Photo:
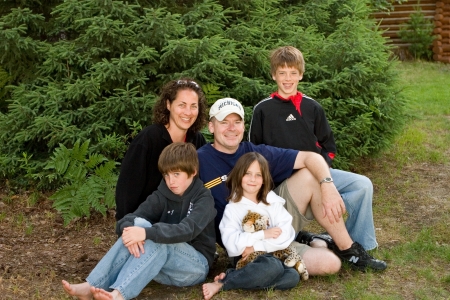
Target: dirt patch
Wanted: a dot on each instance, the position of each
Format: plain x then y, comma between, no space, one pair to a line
37,251
35,246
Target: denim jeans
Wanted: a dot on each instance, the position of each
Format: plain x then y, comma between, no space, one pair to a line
264,272
171,264
357,192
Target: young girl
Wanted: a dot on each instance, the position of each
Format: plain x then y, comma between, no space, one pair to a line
250,189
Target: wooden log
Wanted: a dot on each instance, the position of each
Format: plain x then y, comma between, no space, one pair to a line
411,6
403,13
440,58
438,50
438,17
437,43
437,30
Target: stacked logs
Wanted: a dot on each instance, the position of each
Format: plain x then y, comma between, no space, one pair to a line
441,45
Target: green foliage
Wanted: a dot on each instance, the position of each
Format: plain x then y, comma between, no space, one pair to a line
386,5
418,31
353,78
4,80
96,72
88,181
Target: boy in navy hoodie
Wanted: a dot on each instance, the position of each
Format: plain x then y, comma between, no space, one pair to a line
170,238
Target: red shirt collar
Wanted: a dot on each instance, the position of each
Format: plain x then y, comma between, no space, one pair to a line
295,99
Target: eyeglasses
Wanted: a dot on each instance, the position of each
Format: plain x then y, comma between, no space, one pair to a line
183,82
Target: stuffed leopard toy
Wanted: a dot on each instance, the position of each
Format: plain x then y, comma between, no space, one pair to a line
253,222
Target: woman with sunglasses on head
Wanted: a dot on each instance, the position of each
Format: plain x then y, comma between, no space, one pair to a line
178,116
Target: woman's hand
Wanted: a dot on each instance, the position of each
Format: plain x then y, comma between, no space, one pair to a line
272,233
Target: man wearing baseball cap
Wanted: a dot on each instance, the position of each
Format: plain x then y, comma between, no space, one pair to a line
299,178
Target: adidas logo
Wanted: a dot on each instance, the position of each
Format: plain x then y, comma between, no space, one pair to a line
291,118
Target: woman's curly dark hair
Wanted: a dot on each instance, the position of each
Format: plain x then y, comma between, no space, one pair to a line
169,92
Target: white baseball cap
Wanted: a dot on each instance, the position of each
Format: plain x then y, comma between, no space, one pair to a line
225,106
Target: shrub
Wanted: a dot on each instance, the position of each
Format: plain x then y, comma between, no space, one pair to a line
92,69
418,32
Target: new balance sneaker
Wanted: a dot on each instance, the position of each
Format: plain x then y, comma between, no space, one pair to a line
359,259
305,237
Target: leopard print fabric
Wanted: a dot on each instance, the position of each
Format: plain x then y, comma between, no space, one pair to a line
253,222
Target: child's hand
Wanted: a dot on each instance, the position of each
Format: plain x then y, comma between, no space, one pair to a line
272,233
132,235
247,251
136,249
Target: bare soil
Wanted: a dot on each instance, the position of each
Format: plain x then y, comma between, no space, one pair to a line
37,251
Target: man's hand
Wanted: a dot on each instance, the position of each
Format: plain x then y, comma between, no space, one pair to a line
273,232
247,252
333,205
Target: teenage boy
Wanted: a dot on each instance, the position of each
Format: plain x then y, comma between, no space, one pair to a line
290,119
297,175
170,238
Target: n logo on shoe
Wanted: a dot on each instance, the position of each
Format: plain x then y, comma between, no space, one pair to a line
354,259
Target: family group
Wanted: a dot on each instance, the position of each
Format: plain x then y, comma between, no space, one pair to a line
179,198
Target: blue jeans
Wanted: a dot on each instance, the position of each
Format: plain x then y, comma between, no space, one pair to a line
357,192
264,272
171,264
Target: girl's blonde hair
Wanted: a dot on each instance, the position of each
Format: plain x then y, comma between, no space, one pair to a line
234,180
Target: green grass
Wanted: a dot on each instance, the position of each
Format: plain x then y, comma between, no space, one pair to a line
426,137
409,205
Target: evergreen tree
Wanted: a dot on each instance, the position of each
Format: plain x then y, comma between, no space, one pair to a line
92,69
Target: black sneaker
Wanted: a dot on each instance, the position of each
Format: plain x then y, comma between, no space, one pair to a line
305,237
359,259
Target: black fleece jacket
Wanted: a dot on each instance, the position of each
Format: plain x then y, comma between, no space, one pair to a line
139,175
177,219
276,122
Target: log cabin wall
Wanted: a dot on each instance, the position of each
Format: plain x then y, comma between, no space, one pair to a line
436,11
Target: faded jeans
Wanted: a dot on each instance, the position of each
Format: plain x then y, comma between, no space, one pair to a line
357,192
170,264
265,272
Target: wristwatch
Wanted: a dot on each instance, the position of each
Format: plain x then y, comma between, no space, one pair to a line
326,179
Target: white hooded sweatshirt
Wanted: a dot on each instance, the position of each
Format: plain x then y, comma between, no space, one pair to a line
236,240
